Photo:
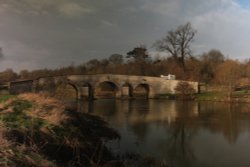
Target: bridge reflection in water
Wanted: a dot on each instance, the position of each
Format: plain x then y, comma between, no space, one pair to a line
180,133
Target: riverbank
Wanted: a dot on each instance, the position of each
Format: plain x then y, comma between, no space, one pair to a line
36,130
213,96
223,96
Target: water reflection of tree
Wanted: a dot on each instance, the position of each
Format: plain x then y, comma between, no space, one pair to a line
222,118
188,119
179,148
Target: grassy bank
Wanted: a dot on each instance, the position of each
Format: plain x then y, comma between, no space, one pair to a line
36,130
223,96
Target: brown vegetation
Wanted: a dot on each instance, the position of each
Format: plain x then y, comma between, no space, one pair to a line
184,90
37,131
46,108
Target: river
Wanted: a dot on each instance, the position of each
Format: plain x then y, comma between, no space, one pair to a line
190,134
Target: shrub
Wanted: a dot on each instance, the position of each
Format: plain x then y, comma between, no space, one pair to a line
184,90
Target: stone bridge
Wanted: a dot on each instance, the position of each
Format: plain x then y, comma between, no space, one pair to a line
101,85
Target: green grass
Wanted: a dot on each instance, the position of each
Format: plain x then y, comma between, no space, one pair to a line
221,95
211,95
19,119
4,98
242,93
22,120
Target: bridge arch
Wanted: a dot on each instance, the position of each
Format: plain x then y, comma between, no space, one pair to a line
106,89
60,88
141,90
66,91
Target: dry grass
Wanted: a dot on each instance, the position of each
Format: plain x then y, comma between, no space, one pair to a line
4,143
46,108
13,153
5,106
35,128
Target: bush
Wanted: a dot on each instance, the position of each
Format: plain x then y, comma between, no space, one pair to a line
184,90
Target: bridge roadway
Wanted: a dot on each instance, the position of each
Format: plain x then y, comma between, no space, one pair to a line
88,86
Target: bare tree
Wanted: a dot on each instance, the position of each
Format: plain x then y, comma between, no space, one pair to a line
8,75
214,56
228,74
177,43
116,59
209,63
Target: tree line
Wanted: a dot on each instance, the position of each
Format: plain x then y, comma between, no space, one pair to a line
209,67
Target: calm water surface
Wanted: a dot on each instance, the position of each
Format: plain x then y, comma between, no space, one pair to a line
186,134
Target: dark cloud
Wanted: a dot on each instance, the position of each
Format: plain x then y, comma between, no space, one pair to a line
1,54
46,33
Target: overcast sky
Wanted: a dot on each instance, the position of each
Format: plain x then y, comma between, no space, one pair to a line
54,33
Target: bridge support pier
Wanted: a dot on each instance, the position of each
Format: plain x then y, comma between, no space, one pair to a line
86,92
118,93
151,94
125,91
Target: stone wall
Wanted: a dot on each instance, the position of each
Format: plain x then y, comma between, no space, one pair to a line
21,87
